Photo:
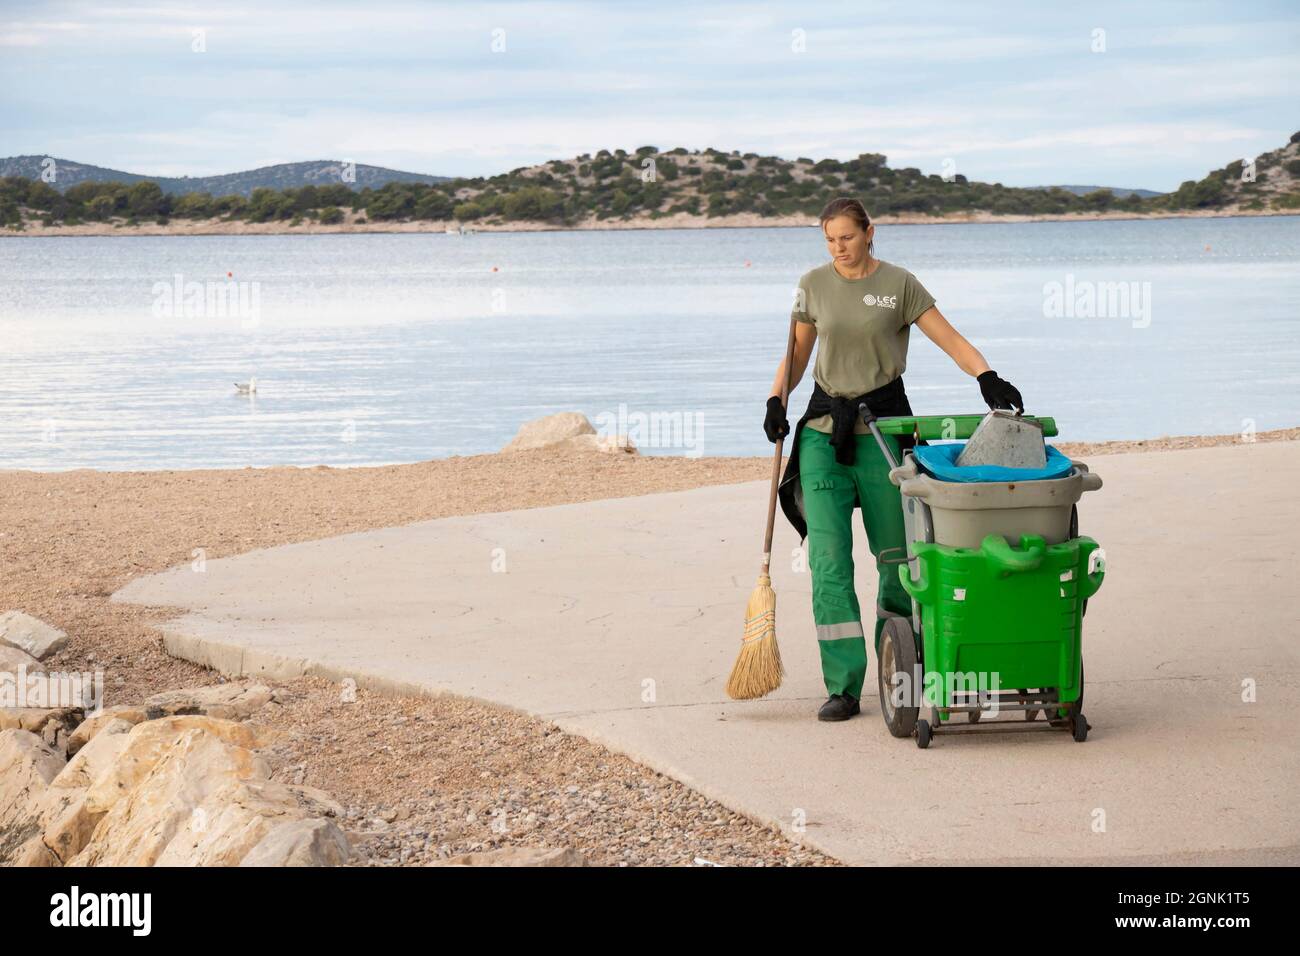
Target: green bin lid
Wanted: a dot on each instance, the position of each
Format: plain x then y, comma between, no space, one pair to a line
949,427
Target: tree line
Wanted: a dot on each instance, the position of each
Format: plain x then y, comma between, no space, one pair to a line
622,185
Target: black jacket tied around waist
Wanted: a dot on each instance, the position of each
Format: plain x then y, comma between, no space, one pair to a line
888,400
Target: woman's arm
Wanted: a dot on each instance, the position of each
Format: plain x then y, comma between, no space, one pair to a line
939,331
997,392
805,334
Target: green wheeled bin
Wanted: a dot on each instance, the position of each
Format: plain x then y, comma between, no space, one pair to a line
997,617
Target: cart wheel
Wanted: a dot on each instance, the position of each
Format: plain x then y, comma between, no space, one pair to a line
973,716
1032,712
897,655
923,734
1079,726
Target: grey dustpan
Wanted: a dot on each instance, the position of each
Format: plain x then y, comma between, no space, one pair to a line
1005,439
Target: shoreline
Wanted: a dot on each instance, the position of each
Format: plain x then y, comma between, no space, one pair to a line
218,227
1073,449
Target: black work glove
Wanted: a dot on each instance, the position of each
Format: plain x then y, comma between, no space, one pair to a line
775,425
1000,393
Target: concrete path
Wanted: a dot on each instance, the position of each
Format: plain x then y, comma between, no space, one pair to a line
620,619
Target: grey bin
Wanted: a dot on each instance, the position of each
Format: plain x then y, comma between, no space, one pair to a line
963,512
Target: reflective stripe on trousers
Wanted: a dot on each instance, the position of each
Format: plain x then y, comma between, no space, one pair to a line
834,632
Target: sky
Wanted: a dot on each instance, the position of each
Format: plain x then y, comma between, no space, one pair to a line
1142,95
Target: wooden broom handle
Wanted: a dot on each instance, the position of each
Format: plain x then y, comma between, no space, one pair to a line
780,445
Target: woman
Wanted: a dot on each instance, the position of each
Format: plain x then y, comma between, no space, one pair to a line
861,308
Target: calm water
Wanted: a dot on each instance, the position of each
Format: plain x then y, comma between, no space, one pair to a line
392,348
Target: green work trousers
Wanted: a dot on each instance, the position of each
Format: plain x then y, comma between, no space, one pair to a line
829,489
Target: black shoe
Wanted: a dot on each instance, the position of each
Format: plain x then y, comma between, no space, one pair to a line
839,707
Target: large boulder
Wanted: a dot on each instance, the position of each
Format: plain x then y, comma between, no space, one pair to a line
55,725
66,826
306,842
96,758
62,823
182,790
30,634
96,722
148,742
232,822
171,801
190,791
567,431
27,767
36,719
13,659
550,430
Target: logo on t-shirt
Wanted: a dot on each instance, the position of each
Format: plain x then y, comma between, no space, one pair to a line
884,301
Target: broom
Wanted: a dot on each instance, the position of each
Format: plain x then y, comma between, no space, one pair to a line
758,669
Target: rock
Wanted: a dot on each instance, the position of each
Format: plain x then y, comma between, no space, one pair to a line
305,842
96,758
171,802
45,721
30,634
550,430
227,701
27,765
92,725
35,853
14,658
518,856
182,790
71,824
66,822
189,791
148,742
226,826
317,803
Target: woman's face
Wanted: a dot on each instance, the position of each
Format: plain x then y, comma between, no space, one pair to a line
846,241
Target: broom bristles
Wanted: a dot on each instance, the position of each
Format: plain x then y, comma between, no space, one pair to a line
758,669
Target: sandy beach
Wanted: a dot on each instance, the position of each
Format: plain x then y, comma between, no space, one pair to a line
355,223
429,769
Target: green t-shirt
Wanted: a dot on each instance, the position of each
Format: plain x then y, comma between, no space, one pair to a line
862,328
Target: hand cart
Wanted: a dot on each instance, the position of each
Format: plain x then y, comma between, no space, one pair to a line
998,597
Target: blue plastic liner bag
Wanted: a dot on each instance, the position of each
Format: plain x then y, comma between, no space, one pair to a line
940,461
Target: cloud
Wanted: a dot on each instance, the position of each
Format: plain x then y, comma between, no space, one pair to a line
417,86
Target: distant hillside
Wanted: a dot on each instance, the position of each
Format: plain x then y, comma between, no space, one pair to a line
646,187
1118,192
323,172
1272,183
